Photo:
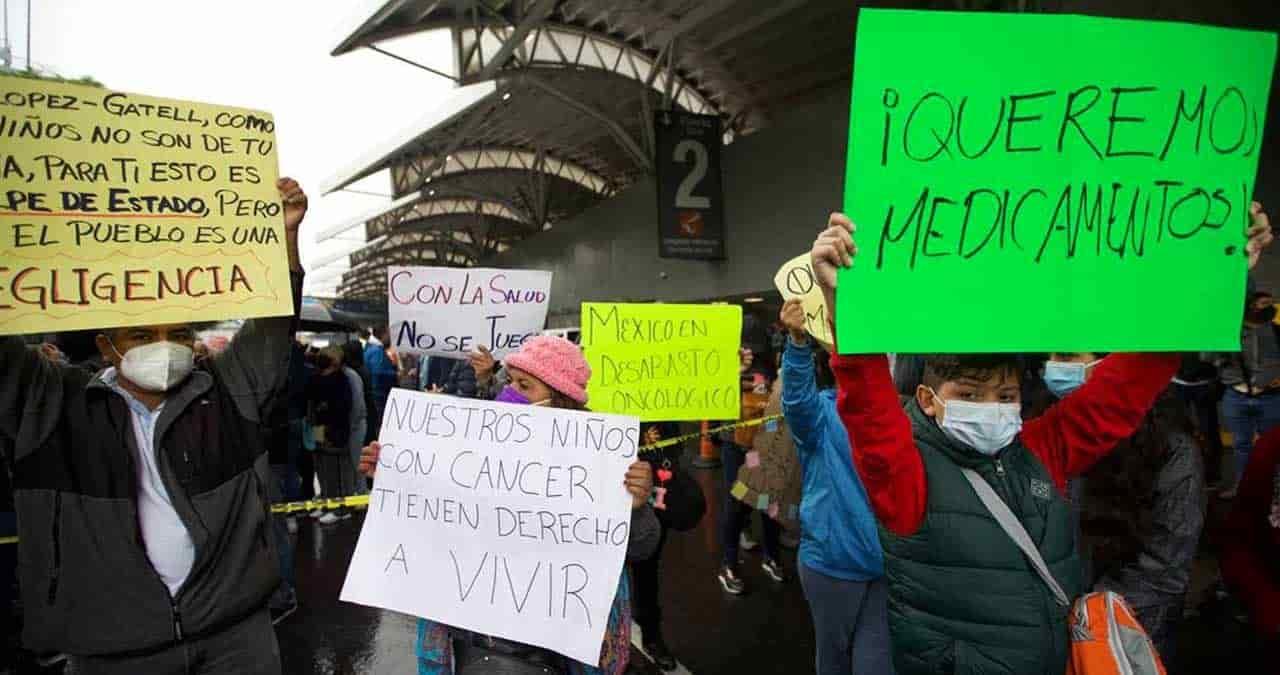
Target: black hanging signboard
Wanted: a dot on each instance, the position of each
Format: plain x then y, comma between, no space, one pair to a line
690,196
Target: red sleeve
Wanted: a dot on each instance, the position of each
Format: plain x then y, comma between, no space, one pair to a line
1086,425
883,448
1248,535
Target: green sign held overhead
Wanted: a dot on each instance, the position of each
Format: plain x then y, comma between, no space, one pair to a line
1025,182
663,362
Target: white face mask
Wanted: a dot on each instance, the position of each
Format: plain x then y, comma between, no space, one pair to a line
157,366
985,427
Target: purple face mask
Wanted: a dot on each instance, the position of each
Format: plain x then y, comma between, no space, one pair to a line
511,395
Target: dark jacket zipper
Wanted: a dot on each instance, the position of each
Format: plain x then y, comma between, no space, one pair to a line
57,547
177,619
265,501
178,634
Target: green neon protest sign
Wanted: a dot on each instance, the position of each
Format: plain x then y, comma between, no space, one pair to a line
1029,182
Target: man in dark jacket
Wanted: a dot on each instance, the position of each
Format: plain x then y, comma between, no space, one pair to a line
461,381
141,494
353,358
1251,402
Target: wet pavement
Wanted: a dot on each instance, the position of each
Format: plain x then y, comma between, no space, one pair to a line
764,632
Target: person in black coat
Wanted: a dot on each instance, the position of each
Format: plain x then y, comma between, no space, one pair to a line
330,398
645,572
461,380
353,358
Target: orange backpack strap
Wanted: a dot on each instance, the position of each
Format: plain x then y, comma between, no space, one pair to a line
1107,639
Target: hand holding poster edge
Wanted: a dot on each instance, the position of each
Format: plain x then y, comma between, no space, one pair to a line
1094,303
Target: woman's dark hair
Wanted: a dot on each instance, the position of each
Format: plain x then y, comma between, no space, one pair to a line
353,355
563,402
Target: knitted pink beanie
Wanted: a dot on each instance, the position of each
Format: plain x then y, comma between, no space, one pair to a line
557,362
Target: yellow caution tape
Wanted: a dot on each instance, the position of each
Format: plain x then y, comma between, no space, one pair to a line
668,442
355,502
362,501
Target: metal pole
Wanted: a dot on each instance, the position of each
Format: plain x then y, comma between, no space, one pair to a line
397,57
6,49
28,34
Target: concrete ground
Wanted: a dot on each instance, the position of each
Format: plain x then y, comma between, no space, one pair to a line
767,631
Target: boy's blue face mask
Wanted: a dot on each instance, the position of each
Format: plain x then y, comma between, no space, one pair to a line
1063,377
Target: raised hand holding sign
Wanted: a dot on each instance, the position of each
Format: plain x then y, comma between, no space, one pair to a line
1260,234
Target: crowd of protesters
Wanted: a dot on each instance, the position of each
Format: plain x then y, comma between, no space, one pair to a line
952,505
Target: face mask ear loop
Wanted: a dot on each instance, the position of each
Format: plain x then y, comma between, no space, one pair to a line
114,349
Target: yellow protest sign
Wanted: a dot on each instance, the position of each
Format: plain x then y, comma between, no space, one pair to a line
663,362
118,209
795,280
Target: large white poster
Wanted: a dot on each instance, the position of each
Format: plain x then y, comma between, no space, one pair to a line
509,520
450,311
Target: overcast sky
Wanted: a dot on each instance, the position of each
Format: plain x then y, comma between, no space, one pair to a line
270,55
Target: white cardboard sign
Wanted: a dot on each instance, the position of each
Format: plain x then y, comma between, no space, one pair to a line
450,311
507,520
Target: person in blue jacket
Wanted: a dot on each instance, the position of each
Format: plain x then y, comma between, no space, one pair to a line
383,372
841,564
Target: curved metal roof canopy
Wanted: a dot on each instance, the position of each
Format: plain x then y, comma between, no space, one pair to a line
555,105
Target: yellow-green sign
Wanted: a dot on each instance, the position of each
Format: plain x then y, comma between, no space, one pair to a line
118,209
663,362
1036,182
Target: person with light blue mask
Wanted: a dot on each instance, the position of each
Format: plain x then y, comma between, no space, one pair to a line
1141,510
1064,372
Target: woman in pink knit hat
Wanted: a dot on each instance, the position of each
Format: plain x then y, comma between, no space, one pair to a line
546,371
549,371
